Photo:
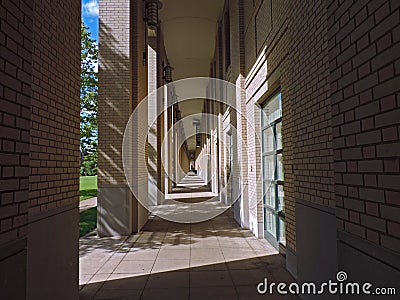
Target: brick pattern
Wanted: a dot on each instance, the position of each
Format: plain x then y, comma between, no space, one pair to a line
15,92
54,134
364,47
274,73
309,93
114,91
287,32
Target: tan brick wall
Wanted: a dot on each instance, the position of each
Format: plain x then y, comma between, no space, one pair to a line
15,105
293,36
308,80
364,47
122,85
54,150
115,99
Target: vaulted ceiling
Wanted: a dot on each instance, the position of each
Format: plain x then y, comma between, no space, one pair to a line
189,28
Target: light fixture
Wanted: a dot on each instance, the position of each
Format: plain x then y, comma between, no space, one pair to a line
196,123
168,73
151,20
178,114
152,7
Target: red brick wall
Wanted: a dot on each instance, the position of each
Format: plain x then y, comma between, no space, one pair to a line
15,92
364,47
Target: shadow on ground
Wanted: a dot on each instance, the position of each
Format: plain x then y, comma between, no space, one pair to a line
230,280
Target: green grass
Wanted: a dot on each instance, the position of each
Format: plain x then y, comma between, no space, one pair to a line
87,187
87,221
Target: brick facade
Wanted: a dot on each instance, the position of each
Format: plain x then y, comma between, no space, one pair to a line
39,194
15,97
123,78
114,75
54,132
364,70
336,67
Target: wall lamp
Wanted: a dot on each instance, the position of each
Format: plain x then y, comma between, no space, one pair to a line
167,76
152,7
150,20
178,114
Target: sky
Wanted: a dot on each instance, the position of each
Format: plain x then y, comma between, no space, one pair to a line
90,15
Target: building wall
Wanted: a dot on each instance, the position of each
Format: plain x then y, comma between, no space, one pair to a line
364,44
123,84
40,149
336,66
286,49
15,111
54,151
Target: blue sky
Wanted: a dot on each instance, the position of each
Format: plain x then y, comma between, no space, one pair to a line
90,15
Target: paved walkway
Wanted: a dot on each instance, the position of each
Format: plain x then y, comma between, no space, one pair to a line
191,183
88,203
215,259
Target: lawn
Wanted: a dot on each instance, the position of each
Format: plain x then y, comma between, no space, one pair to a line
87,221
87,187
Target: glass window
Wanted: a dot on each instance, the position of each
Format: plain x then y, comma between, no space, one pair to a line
269,167
279,135
273,172
269,194
281,202
271,222
273,109
282,236
268,139
279,160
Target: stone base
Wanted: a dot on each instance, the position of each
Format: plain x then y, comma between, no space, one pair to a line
13,270
53,251
316,246
114,211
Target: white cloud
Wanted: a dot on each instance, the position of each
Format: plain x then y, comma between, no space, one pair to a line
91,8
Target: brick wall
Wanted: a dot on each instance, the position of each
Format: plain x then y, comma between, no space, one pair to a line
364,47
309,93
15,105
266,34
115,102
292,36
123,84
54,150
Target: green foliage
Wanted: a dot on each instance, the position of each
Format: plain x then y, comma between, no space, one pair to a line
89,165
87,187
87,221
89,88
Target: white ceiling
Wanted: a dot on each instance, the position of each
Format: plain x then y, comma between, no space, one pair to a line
189,28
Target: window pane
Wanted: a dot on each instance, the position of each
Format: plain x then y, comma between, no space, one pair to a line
269,194
280,167
282,236
281,203
273,109
270,221
268,167
268,139
279,135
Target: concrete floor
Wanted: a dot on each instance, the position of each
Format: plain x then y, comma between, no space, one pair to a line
210,260
88,203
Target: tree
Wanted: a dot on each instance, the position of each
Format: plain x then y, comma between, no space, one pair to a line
89,88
